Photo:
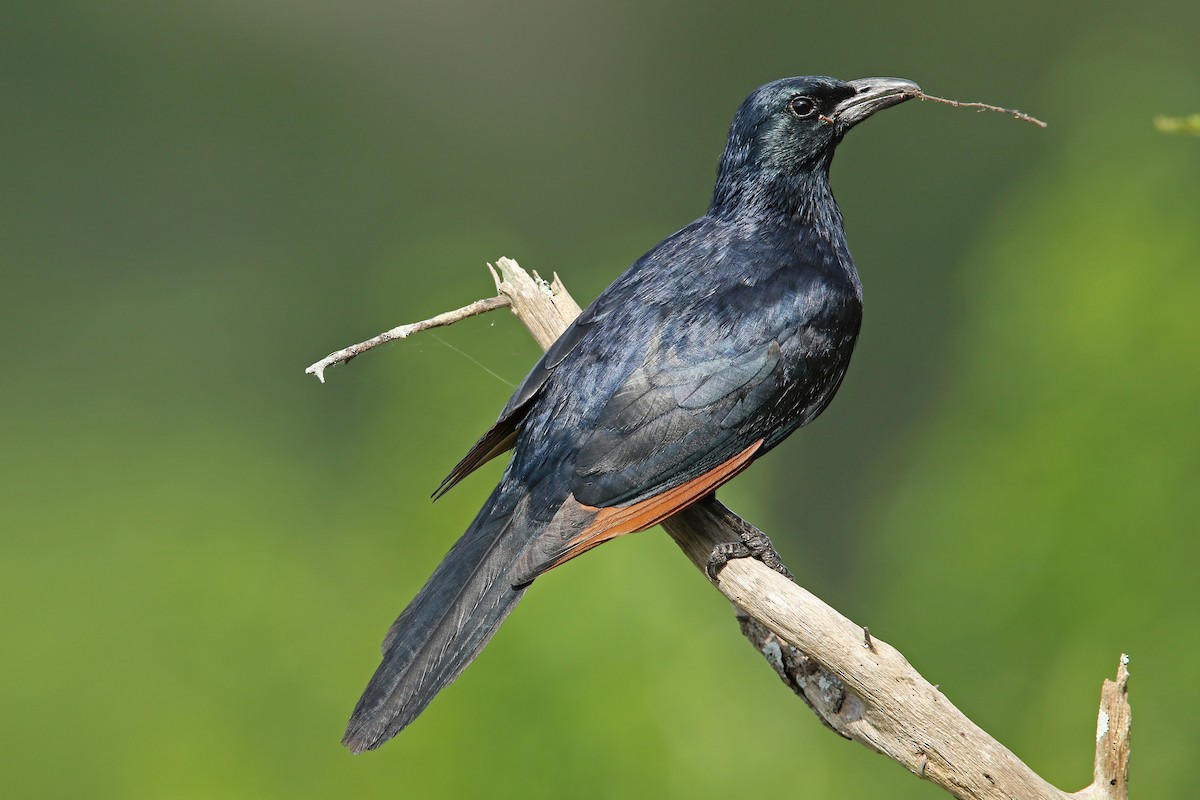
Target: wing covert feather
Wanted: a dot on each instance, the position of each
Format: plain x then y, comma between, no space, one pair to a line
670,421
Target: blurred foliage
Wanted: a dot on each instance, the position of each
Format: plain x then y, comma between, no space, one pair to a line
1189,124
202,546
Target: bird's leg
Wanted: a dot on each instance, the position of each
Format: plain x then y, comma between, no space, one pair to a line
752,543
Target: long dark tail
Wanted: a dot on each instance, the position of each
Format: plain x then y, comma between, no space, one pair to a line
445,626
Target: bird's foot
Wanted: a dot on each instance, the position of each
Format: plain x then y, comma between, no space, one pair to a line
752,543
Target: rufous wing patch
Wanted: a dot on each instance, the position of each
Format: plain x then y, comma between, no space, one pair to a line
614,521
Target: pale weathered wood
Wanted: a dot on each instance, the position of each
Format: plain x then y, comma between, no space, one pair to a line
545,309
1113,726
856,683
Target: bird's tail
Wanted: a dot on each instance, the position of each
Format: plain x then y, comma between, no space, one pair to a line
445,626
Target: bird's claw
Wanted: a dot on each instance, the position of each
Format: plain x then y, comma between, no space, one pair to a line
752,543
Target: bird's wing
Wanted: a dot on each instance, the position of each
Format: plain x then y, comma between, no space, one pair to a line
613,302
503,434
671,420
670,434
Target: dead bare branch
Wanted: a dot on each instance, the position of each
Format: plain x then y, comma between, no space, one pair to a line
856,683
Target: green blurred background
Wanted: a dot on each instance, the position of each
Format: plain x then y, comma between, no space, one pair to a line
203,547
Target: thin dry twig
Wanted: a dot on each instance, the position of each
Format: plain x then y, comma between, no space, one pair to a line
404,331
1012,112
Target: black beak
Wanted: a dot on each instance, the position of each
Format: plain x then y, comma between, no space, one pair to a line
871,95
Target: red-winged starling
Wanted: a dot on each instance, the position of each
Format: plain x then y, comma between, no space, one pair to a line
702,356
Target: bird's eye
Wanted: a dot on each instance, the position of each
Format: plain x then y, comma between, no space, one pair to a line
803,107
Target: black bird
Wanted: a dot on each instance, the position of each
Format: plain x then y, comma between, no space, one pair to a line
702,356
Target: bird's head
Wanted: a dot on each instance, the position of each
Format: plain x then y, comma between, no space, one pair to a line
786,131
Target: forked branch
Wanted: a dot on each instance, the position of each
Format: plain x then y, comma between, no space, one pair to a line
856,683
